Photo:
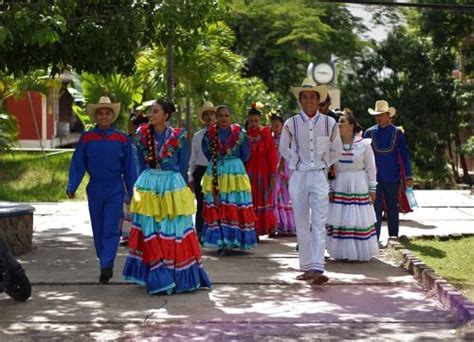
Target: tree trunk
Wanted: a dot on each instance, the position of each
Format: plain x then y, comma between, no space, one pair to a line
188,114
452,161
465,170
169,71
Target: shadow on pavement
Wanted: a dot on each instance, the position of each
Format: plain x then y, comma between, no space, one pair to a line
255,296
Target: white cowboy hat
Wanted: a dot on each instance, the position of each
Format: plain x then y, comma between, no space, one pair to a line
208,105
381,106
309,85
104,102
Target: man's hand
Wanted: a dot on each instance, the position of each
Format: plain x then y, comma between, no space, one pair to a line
331,196
71,195
281,166
409,182
191,185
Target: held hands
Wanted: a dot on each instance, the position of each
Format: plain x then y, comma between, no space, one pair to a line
331,196
281,166
372,196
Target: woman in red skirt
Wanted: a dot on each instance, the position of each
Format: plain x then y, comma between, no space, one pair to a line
261,168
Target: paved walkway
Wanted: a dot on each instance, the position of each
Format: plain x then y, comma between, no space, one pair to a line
255,295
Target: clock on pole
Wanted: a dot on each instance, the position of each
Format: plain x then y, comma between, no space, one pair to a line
323,73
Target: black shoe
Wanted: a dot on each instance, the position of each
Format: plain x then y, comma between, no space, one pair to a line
105,274
222,251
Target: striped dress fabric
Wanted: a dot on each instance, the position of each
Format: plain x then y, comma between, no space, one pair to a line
351,220
229,216
164,252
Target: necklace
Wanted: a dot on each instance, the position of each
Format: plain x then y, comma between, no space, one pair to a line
348,147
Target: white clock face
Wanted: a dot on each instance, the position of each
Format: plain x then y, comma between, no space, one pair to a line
323,73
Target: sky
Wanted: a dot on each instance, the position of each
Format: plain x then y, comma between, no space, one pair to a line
376,32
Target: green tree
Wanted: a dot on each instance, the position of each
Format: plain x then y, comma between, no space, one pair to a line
280,38
209,72
415,76
124,89
451,40
98,36
179,25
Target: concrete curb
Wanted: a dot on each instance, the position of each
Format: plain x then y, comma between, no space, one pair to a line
447,294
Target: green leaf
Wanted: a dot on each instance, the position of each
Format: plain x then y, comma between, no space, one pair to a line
4,34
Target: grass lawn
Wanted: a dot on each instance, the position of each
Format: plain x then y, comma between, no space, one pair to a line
29,177
452,259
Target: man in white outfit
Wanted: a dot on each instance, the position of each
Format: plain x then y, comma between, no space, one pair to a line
310,143
198,161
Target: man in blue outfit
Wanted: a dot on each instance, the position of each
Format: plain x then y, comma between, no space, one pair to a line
391,153
105,154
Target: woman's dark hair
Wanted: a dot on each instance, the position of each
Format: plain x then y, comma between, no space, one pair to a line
347,113
222,107
277,117
327,101
168,107
253,110
138,119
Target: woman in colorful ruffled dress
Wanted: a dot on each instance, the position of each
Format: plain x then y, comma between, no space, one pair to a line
283,211
229,218
164,253
261,168
351,221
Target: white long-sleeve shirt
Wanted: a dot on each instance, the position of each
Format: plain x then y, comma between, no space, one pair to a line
197,155
310,143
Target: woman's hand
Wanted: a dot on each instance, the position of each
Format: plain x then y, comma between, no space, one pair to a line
191,185
372,196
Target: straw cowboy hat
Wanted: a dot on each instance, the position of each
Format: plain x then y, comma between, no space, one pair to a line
104,102
208,105
381,106
309,85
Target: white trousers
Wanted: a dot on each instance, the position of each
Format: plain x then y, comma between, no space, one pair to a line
309,197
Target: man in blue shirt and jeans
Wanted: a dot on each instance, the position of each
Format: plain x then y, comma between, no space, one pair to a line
390,149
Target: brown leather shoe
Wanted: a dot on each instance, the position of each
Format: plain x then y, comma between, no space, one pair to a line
319,279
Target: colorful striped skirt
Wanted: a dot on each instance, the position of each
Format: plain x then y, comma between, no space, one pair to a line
351,219
229,219
164,252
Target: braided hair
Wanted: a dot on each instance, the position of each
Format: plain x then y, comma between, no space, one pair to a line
214,156
168,108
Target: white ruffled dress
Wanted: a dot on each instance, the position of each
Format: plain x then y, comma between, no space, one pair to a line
351,231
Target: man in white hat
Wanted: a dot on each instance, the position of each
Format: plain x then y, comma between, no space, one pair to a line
198,161
310,142
104,153
390,149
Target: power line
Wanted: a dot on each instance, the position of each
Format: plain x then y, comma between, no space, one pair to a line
455,7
